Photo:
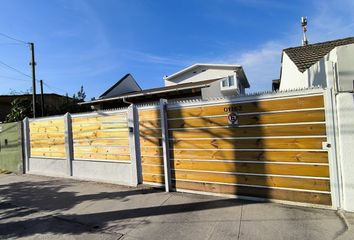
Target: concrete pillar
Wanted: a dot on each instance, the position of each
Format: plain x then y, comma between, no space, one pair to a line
345,114
26,145
165,144
69,144
134,145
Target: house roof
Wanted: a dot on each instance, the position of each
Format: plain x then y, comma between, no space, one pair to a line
200,65
159,90
30,95
117,84
305,56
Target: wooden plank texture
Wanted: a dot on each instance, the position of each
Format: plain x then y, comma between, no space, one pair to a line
117,118
152,169
267,143
152,160
284,156
149,114
258,168
154,178
98,156
271,181
280,194
256,106
264,131
287,117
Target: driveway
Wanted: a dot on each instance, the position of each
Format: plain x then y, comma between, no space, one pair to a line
37,207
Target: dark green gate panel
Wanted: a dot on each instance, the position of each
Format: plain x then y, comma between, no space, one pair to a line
11,147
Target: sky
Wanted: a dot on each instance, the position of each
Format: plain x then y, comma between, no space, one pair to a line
95,42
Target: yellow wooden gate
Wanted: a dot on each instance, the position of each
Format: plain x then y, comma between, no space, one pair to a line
270,148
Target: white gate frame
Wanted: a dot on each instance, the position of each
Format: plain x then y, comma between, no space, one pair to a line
336,182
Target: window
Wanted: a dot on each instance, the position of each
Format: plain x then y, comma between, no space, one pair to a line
228,82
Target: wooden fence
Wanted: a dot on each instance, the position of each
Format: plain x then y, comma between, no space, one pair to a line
273,151
102,137
269,147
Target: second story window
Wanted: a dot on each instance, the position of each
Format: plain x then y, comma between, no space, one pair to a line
228,82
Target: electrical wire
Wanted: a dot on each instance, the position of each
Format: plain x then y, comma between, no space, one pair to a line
15,69
11,78
12,38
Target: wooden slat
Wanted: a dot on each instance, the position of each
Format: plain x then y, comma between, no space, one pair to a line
48,154
55,148
266,143
121,117
150,133
279,194
256,106
152,160
258,168
149,124
100,134
150,141
94,127
49,123
46,142
48,129
264,131
107,142
97,156
152,169
270,181
284,156
34,136
149,114
287,117
153,151
153,178
101,150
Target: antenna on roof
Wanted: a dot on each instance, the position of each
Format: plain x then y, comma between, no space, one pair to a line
304,30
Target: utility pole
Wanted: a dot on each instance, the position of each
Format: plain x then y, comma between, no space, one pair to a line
33,64
42,98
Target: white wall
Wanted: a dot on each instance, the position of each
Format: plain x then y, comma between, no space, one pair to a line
345,111
200,74
319,74
291,77
345,65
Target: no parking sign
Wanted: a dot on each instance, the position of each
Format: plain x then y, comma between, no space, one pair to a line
232,117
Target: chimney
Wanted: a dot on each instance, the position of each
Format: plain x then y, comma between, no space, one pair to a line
304,30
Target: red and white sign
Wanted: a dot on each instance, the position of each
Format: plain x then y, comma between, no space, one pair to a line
232,117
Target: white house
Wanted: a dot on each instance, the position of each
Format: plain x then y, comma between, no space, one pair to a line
329,65
326,64
230,78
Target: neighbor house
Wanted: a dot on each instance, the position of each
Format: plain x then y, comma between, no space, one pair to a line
326,64
199,81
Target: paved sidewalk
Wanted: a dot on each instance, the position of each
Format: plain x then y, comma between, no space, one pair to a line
35,207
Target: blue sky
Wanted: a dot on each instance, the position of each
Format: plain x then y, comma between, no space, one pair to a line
95,42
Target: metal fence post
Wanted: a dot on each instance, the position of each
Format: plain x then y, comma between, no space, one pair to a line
134,146
165,144
26,144
69,145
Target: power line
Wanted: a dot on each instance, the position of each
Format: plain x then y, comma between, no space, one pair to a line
15,69
12,38
11,78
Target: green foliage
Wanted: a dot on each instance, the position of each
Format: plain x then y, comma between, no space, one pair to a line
20,108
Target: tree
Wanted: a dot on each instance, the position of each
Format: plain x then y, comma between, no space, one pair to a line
20,108
81,95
